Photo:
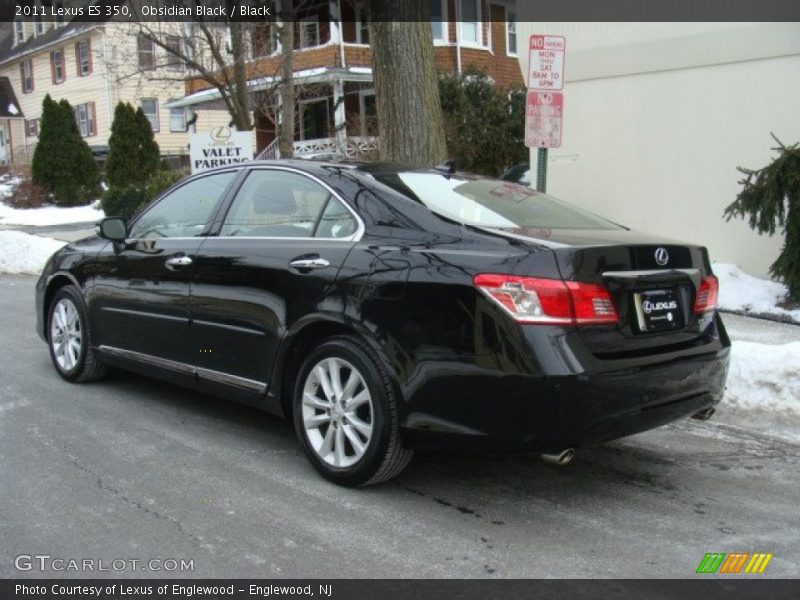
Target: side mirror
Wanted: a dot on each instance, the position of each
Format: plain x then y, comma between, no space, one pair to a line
112,228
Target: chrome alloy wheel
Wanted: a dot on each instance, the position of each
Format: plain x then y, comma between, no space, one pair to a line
337,412
66,337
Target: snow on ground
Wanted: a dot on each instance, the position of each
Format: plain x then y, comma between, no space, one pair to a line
49,215
24,253
764,388
743,293
7,185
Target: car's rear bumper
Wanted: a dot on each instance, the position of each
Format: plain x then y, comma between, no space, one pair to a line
541,413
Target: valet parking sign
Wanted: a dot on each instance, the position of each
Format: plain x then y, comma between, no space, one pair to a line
219,147
545,102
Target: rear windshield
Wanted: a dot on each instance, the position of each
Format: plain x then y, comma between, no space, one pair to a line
491,203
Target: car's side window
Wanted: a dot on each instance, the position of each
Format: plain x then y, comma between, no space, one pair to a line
185,211
274,203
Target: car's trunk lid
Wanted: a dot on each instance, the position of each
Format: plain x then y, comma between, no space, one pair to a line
653,284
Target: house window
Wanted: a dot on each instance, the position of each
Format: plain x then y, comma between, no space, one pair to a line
32,127
309,32
177,120
436,8
263,40
26,72
470,21
58,9
362,26
38,26
19,32
150,109
83,57
57,66
85,118
511,34
147,52
173,49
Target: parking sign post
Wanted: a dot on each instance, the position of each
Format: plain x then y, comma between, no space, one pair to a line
545,101
541,170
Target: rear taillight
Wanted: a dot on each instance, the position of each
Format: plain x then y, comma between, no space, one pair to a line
549,301
707,295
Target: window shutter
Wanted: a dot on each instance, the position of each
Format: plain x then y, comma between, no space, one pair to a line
22,76
89,54
92,119
78,59
53,67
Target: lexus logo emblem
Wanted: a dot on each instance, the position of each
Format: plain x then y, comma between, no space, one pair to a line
662,256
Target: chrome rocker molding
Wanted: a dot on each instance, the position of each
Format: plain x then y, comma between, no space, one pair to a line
199,373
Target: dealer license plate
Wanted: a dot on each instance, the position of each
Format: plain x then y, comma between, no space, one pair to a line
658,310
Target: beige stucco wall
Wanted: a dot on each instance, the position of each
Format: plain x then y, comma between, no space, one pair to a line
658,116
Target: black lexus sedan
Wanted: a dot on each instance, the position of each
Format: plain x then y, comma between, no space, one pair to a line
385,309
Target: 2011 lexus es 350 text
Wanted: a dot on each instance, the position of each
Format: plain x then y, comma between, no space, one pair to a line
385,309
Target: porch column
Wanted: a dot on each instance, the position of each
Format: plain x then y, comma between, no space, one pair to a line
339,114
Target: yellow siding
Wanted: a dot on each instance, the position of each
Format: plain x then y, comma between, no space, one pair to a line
114,78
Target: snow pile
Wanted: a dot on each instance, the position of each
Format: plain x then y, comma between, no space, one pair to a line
743,293
7,185
50,215
24,253
764,388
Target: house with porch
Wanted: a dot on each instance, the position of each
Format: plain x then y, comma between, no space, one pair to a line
332,73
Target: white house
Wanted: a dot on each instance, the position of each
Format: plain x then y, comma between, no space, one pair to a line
657,116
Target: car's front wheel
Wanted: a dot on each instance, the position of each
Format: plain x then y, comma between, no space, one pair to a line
346,415
68,338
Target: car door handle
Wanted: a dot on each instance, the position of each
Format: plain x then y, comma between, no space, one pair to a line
309,263
177,262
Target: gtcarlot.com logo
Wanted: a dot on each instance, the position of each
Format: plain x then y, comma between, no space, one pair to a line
45,562
734,562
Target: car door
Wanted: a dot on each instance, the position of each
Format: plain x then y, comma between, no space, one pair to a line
276,258
139,301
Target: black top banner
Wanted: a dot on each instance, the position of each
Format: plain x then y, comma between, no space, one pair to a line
270,10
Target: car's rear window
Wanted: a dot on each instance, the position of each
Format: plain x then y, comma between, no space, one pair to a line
486,202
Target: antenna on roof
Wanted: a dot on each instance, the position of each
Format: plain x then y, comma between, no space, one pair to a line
448,167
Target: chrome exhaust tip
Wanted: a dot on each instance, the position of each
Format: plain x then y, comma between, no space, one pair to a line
560,459
704,415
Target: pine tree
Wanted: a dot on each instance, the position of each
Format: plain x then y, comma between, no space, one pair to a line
63,162
770,197
133,159
133,154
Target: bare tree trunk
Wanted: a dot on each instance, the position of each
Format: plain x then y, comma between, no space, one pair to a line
242,116
410,122
287,108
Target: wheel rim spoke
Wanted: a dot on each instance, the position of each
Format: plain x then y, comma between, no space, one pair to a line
339,449
325,383
358,446
312,401
334,369
338,427
327,443
316,420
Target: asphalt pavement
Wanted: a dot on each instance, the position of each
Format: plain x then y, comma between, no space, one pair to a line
130,468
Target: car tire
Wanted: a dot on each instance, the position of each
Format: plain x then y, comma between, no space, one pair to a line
69,340
349,428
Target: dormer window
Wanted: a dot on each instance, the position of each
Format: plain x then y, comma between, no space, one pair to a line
19,32
38,26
